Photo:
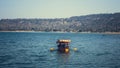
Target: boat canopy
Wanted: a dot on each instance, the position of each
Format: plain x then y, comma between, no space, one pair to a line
63,41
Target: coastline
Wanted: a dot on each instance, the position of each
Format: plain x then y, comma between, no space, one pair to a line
111,32
67,32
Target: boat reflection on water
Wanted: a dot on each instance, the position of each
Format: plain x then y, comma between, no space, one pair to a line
62,58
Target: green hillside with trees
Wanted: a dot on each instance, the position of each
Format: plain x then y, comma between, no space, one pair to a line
87,23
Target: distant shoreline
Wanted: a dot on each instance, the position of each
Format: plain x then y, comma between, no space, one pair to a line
67,32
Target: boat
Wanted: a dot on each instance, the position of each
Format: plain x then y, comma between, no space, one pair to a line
63,45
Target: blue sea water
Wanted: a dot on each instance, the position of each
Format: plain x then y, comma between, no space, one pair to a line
32,50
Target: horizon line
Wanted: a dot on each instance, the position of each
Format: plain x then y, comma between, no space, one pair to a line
57,17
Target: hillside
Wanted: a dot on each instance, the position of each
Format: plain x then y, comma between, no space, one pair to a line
87,23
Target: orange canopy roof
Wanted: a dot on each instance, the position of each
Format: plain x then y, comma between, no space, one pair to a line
64,41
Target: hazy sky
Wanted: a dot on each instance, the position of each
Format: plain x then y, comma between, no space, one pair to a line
55,8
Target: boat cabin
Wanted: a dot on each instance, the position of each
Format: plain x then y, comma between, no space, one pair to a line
63,45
